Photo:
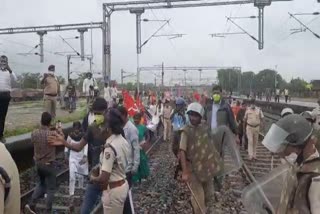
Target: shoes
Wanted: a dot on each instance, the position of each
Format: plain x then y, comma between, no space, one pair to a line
29,210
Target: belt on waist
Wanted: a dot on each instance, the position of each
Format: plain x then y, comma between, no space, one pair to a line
253,125
51,95
115,184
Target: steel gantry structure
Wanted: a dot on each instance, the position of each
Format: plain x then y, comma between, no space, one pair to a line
185,69
42,30
139,7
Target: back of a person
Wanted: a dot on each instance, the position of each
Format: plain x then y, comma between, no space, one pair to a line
43,152
141,131
51,86
95,143
12,203
123,150
177,122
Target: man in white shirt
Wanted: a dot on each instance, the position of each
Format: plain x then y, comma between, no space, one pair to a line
88,86
114,93
107,93
6,75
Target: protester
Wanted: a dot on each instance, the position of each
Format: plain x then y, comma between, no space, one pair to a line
72,96
132,137
88,86
95,139
114,91
241,132
159,114
107,92
144,141
286,95
221,112
178,120
78,163
51,91
46,165
236,108
6,76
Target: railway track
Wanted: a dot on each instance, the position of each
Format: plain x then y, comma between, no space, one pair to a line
161,193
61,199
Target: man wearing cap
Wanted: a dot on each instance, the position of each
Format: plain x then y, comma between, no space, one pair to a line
51,91
6,75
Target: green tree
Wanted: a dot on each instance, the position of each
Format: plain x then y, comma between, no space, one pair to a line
29,80
269,79
247,82
297,86
229,79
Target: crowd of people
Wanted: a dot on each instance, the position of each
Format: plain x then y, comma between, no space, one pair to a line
108,149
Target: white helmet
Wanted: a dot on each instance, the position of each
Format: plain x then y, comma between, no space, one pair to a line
286,111
196,107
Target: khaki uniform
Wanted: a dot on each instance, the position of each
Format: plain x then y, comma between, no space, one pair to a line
167,123
203,162
253,119
114,160
301,194
12,203
51,91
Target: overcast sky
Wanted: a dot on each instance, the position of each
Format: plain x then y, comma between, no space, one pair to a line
293,56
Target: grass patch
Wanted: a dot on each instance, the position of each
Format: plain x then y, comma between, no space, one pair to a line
78,115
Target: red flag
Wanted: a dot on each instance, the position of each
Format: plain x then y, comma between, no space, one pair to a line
196,96
140,105
129,104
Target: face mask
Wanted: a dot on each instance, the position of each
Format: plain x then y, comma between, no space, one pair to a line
216,98
292,158
99,119
253,106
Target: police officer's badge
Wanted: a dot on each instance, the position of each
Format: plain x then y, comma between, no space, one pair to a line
107,155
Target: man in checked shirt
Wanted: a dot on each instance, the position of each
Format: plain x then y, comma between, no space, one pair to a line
44,156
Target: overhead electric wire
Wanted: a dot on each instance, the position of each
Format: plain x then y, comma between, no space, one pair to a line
305,26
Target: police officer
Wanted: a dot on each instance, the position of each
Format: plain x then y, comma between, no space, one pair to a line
292,136
9,183
253,121
113,162
200,160
286,111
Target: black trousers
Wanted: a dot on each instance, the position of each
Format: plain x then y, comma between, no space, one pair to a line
47,184
127,205
4,103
